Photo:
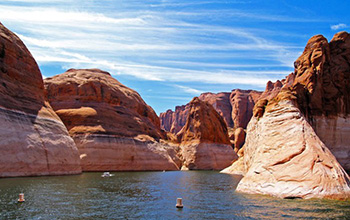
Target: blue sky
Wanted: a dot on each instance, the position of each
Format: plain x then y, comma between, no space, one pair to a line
170,51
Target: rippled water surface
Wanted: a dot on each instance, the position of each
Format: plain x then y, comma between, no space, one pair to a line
152,195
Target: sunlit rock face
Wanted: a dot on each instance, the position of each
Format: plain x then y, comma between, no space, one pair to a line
113,128
173,121
205,144
294,133
284,157
34,141
322,87
236,108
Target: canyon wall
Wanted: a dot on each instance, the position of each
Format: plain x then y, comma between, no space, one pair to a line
34,141
113,128
204,140
295,131
235,108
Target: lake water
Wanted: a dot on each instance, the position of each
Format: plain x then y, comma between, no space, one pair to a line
152,195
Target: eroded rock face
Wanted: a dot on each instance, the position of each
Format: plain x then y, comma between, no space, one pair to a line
322,88
174,121
300,127
204,139
235,108
113,128
239,139
284,157
34,141
242,102
220,102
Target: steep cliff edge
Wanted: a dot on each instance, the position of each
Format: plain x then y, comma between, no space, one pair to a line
293,133
322,88
34,141
113,128
204,139
236,108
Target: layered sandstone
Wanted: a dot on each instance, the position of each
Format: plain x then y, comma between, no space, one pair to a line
205,144
322,87
221,103
300,127
284,157
242,102
238,138
34,141
174,121
235,108
113,128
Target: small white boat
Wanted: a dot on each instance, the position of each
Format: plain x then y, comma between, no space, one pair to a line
107,174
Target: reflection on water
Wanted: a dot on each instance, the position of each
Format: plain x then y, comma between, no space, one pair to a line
152,195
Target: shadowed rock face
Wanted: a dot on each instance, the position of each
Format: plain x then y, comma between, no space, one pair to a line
235,108
238,139
174,121
221,103
300,127
114,129
322,89
204,139
34,140
242,102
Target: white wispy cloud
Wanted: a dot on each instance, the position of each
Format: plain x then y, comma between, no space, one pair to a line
51,16
189,90
338,26
35,1
141,43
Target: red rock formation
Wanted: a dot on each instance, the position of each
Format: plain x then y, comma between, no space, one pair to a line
34,140
235,108
174,121
238,139
220,102
242,102
322,89
204,139
295,128
284,157
114,129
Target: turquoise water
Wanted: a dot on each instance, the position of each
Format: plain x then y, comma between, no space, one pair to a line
152,195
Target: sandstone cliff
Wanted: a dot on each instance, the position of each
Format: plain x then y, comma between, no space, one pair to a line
242,102
113,128
291,138
34,141
204,139
174,121
235,108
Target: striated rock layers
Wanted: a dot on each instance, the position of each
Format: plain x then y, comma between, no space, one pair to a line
235,108
174,121
205,144
291,138
34,141
322,88
242,102
113,128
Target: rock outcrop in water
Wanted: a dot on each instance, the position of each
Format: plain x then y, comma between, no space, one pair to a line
235,108
113,128
34,141
205,144
291,138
